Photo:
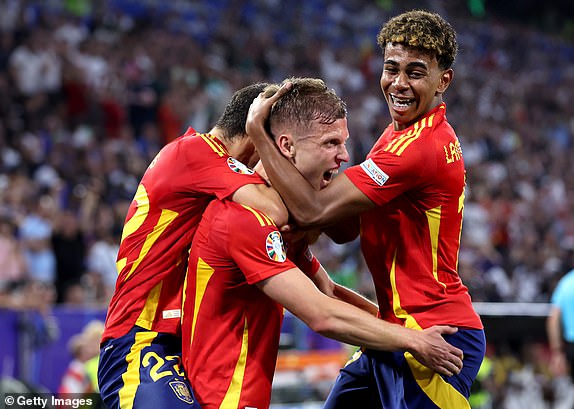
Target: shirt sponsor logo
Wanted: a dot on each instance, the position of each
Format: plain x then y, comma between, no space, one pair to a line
181,391
167,314
374,172
275,248
238,167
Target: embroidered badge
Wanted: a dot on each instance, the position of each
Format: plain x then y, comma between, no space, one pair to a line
374,172
275,248
181,391
238,167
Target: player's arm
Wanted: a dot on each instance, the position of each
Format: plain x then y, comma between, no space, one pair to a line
309,207
347,323
344,231
327,286
554,330
554,333
264,198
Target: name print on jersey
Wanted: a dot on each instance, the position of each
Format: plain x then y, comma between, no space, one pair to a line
453,152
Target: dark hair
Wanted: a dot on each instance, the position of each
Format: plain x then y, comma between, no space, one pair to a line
423,30
309,100
232,121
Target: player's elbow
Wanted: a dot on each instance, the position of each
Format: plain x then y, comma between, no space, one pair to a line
327,326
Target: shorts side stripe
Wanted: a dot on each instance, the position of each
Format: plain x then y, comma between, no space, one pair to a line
442,393
131,377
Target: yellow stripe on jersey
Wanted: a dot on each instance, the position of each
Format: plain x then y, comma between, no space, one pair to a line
413,138
203,275
136,221
442,393
231,399
399,145
131,377
392,146
263,219
217,148
141,213
410,321
147,316
167,216
433,219
461,199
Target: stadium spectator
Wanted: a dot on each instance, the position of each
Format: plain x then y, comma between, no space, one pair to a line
83,347
11,257
35,232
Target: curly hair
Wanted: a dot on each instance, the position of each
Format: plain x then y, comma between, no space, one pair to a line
308,101
423,30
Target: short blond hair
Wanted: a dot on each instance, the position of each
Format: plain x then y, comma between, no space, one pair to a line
308,101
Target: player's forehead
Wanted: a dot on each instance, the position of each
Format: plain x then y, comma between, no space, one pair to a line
320,132
398,53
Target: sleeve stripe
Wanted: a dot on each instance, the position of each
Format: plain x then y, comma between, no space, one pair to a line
214,145
263,219
399,145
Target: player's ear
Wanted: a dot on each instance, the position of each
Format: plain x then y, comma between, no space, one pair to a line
445,80
286,146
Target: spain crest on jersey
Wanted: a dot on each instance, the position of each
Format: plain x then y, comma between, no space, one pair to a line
238,167
181,391
275,248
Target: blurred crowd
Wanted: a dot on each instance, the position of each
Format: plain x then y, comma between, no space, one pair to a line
90,91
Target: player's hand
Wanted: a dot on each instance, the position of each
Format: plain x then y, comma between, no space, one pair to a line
261,108
434,352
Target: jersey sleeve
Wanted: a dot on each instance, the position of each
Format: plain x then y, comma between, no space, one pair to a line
256,245
384,176
214,172
301,255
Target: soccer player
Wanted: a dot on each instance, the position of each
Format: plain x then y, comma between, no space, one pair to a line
240,277
409,193
140,360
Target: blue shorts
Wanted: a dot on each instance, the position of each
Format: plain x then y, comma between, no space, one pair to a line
395,380
142,369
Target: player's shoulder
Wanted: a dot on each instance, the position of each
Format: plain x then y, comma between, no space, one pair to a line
238,214
419,138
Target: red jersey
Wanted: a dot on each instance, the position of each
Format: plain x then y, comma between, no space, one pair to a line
230,330
411,240
161,221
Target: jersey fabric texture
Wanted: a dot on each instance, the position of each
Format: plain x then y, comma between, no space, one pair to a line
142,369
160,224
230,328
411,239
